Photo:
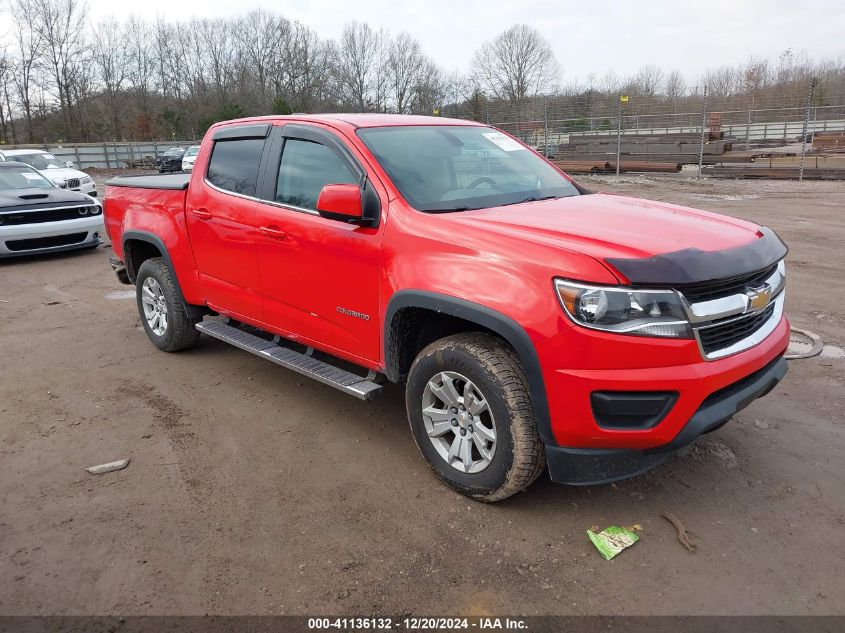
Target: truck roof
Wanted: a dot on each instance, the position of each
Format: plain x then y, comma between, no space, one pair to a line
359,119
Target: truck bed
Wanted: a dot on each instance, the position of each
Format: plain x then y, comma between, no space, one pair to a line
151,181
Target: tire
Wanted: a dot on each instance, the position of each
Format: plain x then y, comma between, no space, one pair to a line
178,331
493,369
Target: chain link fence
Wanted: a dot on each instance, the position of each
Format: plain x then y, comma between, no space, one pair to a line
785,135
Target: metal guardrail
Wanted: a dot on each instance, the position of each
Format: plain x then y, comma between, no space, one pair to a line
104,155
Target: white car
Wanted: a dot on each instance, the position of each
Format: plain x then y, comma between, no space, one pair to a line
59,173
190,157
38,217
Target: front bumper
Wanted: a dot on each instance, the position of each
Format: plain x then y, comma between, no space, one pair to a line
50,237
578,466
702,397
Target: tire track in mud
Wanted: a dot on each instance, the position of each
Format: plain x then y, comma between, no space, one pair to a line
201,538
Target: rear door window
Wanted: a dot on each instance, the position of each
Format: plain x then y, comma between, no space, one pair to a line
234,165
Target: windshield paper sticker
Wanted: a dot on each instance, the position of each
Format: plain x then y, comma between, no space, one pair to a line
503,141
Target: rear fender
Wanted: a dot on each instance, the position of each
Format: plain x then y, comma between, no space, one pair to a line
156,217
129,237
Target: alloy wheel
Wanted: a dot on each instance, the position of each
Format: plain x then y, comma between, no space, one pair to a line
459,422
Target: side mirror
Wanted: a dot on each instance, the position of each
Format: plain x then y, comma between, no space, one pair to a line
343,201
69,163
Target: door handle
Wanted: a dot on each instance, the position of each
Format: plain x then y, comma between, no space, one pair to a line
202,214
273,232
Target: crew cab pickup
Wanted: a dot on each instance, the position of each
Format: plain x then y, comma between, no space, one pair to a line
535,324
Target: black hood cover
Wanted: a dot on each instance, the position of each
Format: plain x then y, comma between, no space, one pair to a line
692,266
33,198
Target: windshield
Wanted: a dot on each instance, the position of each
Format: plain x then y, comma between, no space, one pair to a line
440,168
192,151
21,177
39,161
173,151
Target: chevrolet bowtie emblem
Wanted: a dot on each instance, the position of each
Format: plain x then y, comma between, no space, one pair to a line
758,298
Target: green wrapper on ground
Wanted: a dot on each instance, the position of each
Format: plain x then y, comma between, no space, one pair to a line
612,540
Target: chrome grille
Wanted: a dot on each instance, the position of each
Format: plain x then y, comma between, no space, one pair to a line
733,315
72,183
722,335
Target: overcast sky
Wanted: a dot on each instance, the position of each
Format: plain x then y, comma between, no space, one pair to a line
587,37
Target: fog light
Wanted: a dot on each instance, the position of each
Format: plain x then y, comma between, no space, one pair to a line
631,409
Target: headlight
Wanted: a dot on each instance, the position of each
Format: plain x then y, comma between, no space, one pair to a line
625,310
85,180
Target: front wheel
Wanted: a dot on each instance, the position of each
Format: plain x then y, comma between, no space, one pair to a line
471,416
162,309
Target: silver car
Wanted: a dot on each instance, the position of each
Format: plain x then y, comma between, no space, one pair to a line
190,157
61,174
38,217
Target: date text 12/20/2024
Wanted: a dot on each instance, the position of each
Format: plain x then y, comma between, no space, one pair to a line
416,623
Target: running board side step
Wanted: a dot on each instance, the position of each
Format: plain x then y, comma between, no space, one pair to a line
359,386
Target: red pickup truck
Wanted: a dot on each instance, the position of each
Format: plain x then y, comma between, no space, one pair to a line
535,324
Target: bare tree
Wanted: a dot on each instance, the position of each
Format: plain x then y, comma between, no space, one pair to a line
28,41
60,25
405,62
260,36
430,88
307,66
674,87
517,64
112,64
141,73
356,61
647,81
722,81
215,41
6,70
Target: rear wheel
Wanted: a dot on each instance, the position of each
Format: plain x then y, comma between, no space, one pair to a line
471,416
162,309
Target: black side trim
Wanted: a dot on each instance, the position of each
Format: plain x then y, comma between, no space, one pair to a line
232,132
497,322
193,311
693,266
175,182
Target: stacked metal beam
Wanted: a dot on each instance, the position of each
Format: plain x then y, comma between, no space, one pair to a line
609,167
662,148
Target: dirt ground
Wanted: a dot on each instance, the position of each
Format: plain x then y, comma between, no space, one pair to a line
252,490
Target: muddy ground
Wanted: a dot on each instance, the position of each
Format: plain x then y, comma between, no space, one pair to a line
254,491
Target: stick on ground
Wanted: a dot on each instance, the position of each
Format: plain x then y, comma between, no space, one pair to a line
683,535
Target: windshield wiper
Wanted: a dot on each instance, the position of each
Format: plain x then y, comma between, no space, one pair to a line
449,210
528,199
